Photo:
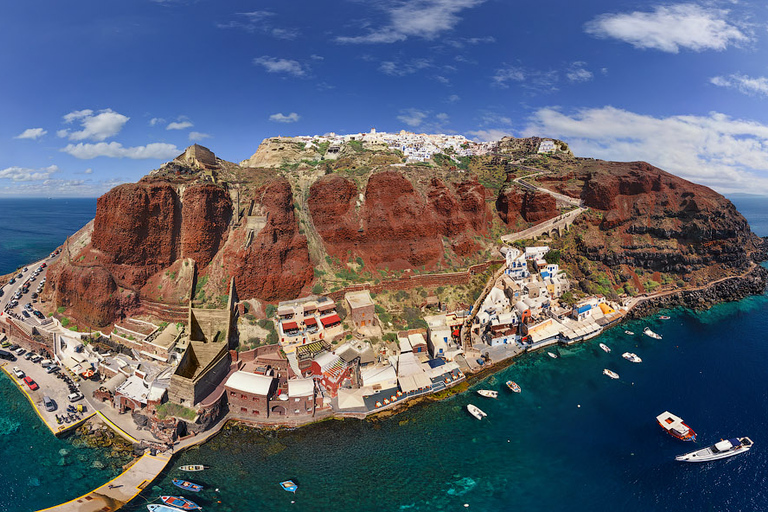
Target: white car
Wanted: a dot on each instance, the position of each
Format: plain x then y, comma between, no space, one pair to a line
74,397
18,373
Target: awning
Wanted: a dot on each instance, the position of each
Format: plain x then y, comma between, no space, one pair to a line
310,321
331,320
289,326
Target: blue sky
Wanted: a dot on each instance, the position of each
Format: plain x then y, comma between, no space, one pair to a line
97,93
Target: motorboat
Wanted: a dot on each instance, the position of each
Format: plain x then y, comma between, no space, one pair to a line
675,426
180,502
187,486
163,508
720,450
193,467
488,393
553,356
664,317
648,332
476,412
610,373
605,348
632,357
630,333
289,486
512,385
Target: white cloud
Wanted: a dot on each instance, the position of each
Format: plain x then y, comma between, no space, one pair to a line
412,117
404,68
156,120
578,73
198,136
260,22
282,118
669,28
103,125
157,150
743,83
425,121
489,135
31,133
419,18
542,81
59,188
275,65
88,171
179,125
22,174
493,118
453,98
730,155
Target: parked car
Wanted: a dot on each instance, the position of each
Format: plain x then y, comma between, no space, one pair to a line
38,314
7,355
74,397
20,351
18,373
31,383
25,313
14,346
50,406
46,363
36,358
29,355
52,368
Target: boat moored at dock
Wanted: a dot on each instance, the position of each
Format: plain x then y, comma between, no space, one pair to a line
552,355
476,412
488,393
162,508
187,486
631,357
610,373
630,333
193,467
675,426
180,502
648,332
720,450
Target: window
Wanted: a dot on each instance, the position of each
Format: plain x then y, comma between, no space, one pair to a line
232,393
243,409
255,399
297,399
255,413
244,397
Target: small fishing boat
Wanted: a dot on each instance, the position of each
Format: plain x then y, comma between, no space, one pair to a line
476,412
513,386
162,508
721,450
631,357
610,374
663,317
289,486
630,333
553,356
605,348
675,426
648,332
193,467
187,486
180,502
488,393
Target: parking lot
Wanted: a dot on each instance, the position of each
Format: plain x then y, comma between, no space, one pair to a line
50,385
26,289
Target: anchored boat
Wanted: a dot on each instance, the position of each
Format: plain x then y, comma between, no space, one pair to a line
629,333
675,426
610,374
180,502
476,412
553,356
631,357
187,486
605,348
513,386
648,332
162,508
289,486
725,448
488,393
193,467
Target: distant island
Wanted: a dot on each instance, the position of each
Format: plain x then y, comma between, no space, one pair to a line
345,275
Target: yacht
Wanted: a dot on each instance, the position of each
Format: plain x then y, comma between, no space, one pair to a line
675,426
724,448
631,357
605,348
476,412
648,332
610,374
487,393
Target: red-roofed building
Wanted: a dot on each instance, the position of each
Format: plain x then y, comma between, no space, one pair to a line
330,371
300,322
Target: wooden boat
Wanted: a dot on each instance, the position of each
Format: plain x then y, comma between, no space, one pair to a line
163,508
180,502
476,412
187,486
648,332
193,467
605,348
553,356
675,426
631,357
513,386
610,374
488,393
289,486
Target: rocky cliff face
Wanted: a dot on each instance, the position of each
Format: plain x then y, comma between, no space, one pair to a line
514,203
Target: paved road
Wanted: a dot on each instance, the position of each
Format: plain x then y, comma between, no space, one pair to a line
11,288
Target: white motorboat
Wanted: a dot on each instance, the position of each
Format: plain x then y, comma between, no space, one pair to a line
553,356
488,393
629,333
476,412
631,357
675,426
719,450
605,348
648,332
610,374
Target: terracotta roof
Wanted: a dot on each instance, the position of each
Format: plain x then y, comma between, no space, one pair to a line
287,326
310,321
330,320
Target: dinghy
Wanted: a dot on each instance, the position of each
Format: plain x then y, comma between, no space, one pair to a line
488,393
513,386
289,486
605,348
193,467
610,374
187,486
476,412
180,502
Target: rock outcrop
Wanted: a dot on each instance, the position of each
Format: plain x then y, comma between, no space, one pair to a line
514,203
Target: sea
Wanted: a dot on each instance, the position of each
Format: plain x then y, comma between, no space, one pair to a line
572,440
